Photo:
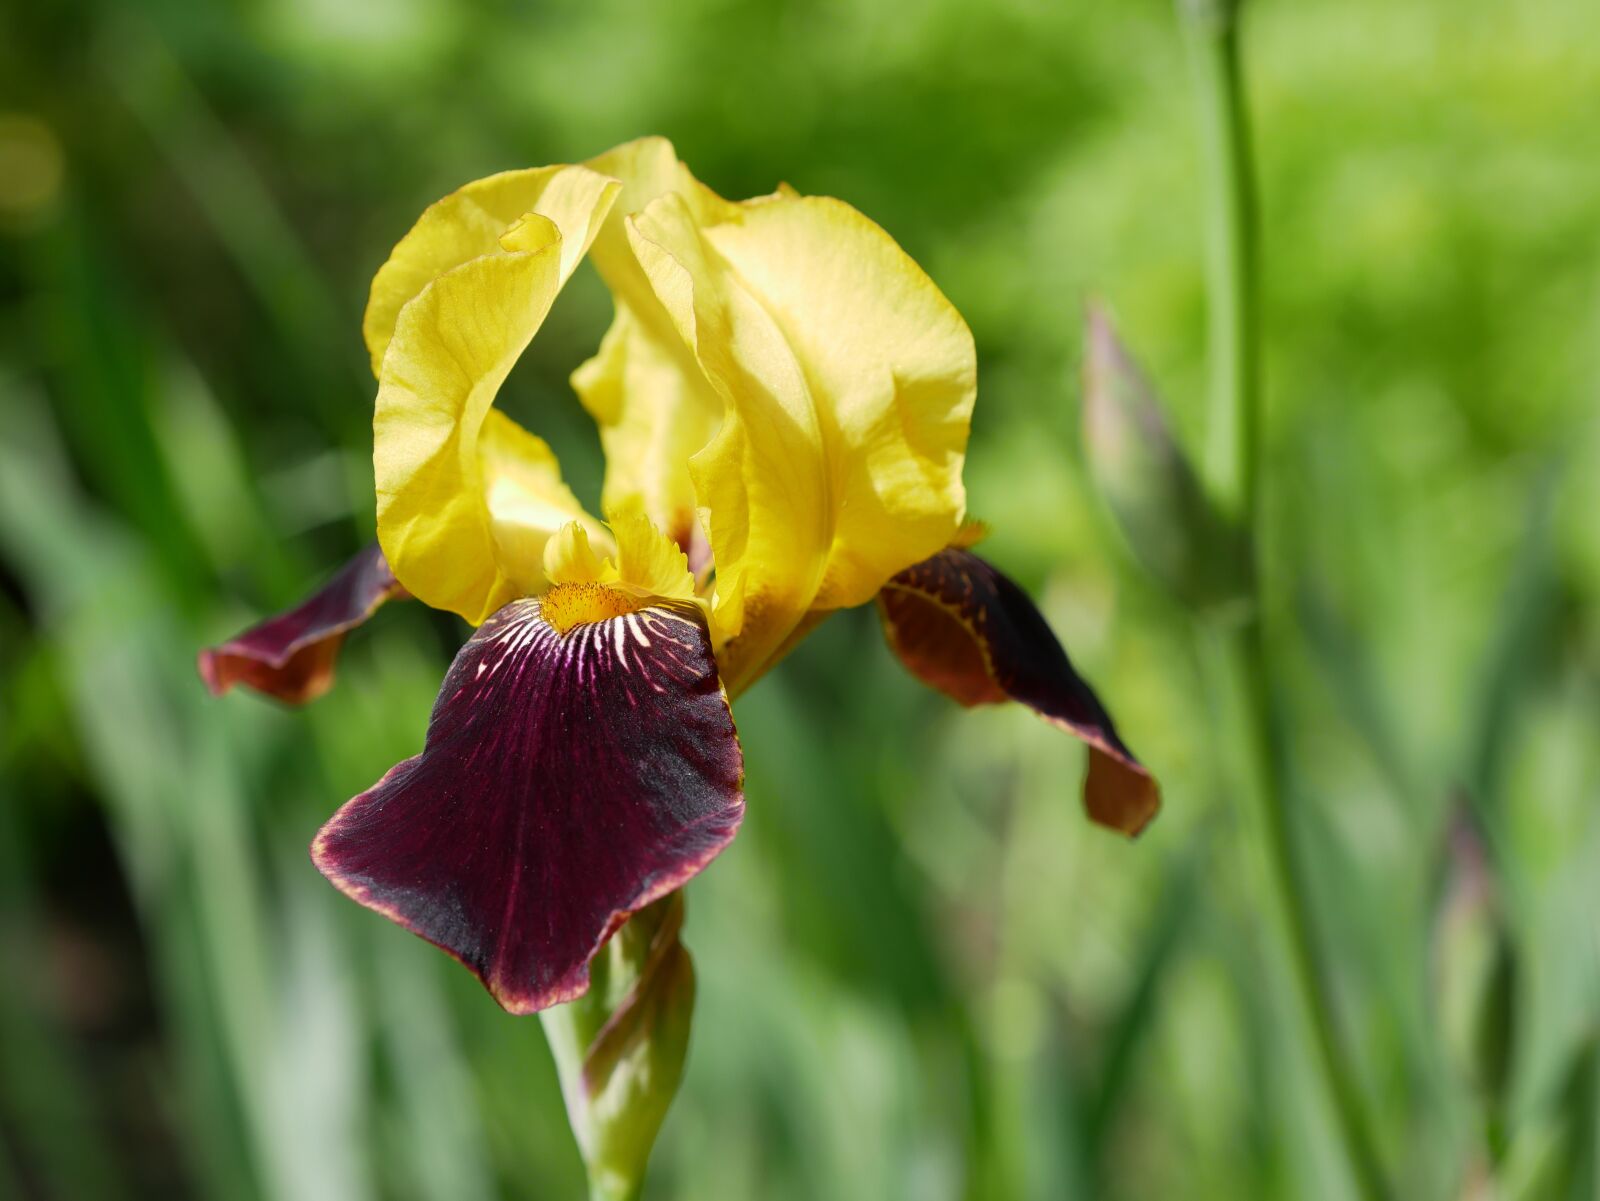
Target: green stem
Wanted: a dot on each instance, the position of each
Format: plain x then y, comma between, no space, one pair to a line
1233,466
1244,648
604,1190
1231,296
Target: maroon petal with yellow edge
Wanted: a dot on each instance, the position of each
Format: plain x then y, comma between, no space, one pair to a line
291,656
570,777
964,628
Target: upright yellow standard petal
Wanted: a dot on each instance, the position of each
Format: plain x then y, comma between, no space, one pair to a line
764,477
466,502
471,221
847,383
654,410
644,389
892,371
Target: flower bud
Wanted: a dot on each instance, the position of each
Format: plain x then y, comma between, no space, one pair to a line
620,1047
1146,480
1474,967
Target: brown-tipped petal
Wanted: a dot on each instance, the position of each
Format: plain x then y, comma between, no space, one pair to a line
964,628
291,656
570,777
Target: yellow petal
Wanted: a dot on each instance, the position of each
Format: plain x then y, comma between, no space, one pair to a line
526,499
644,169
467,502
649,561
452,348
473,221
847,382
892,370
647,567
764,478
569,559
655,410
645,560
644,389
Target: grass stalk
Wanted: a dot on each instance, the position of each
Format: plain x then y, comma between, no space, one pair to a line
1233,464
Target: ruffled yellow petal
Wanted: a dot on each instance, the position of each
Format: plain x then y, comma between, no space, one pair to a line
644,169
466,503
763,477
891,368
649,561
472,221
653,404
654,410
847,383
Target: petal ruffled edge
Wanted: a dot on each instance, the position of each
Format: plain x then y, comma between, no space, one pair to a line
473,221
452,348
291,656
847,381
567,781
483,280
964,628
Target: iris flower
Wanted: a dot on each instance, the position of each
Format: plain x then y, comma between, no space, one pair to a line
783,399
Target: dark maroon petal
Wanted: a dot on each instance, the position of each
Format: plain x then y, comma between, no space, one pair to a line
291,656
567,781
962,627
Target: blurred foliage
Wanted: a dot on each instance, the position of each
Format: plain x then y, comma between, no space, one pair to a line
921,973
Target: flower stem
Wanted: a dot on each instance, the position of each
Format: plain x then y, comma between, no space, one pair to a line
1231,296
615,1190
1249,681
1233,468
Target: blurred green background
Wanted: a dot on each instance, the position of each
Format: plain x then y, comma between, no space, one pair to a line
922,974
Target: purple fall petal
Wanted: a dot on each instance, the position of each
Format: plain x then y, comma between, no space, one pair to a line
567,781
962,627
291,656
